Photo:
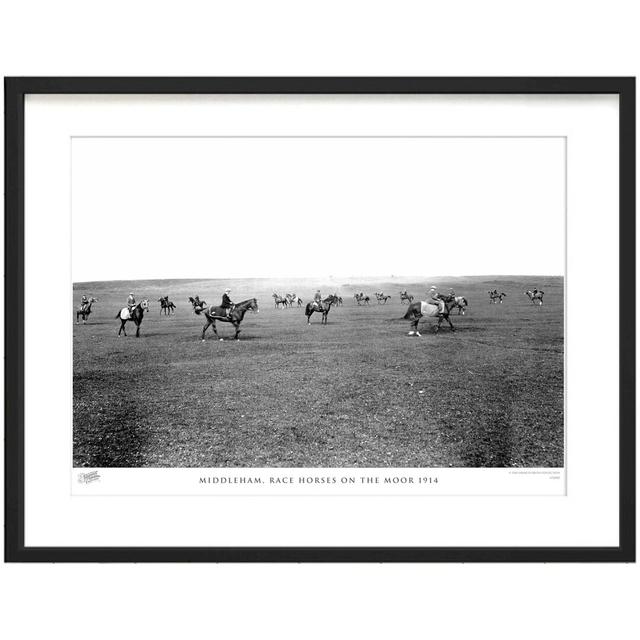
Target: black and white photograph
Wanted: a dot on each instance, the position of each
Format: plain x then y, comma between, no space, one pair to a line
318,302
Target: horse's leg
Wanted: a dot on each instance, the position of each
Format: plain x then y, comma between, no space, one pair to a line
450,323
206,326
213,327
138,328
414,327
236,326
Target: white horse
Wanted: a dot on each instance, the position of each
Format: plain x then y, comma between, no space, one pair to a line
535,296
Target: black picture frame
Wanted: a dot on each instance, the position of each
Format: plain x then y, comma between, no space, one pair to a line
15,91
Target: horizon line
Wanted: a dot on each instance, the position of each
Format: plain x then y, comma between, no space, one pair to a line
334,277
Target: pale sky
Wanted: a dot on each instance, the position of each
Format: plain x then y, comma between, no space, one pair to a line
306,207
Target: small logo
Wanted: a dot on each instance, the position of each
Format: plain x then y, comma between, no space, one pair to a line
90,476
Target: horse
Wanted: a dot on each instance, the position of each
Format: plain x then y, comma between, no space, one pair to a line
339,301
460,303
381,298
405,296
85,310
361,298
279,300
166,306
418,310
535,296
495,297
293,299
135,315
196,302
324,308
219,313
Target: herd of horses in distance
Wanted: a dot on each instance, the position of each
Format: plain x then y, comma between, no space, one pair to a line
415,311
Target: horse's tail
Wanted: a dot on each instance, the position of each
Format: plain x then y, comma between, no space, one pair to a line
118,314
465,300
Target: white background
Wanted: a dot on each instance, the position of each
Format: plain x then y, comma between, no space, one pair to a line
367,38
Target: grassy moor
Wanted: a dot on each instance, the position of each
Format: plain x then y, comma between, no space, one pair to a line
358,392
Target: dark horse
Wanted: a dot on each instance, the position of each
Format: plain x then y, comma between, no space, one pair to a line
85,310
324,308
196,302
136,316
166,306
219,313
418,310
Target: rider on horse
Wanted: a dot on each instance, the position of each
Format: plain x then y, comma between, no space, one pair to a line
84,302
226,302
433,297
317,299
131,302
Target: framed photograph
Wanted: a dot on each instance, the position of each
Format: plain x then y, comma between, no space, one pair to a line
320,319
